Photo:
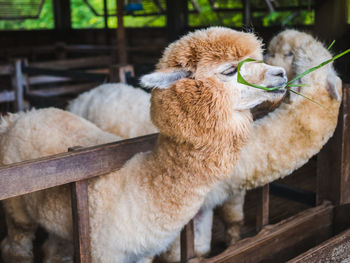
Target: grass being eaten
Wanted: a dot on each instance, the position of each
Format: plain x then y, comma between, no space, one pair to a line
290,83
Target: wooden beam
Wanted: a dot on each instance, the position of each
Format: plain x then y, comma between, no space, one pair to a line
6,69
177,18
123,58
119,73
81,226
80,216
246,13
282,241
7,96
99,61
331,19
333,162
187,242
62,18
18,81
262,209
336,249
63,90
34,175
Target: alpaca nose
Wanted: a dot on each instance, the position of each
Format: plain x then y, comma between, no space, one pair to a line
276,76
277,72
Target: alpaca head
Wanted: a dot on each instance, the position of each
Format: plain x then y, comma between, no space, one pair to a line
196,82
298,51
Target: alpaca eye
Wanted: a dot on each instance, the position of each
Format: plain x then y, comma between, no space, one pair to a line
289,54
229,72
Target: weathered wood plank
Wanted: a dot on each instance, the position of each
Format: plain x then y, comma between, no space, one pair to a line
35,80
80,217
7,96
336,249
122,52
81,226
6,69
345,160
333,162
117,73
282,241
29,176
262,209
18,81
187,242
100,61
58,91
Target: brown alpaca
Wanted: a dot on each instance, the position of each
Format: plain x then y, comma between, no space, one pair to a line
203,117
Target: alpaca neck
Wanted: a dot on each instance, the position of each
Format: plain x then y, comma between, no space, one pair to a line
285,139
186,173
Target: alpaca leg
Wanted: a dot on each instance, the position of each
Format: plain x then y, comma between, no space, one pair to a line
232,215
146,260
18,244
202,237
57,250
202,232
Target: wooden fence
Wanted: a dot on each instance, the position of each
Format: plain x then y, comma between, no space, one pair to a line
280,242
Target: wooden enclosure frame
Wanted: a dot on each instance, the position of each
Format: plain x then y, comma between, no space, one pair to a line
89,72
13,95
307,229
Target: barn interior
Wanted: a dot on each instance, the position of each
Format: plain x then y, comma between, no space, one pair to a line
53,50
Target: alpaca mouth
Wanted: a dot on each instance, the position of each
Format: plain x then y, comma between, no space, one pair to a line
279,91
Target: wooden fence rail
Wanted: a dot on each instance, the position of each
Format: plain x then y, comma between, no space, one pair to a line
30,176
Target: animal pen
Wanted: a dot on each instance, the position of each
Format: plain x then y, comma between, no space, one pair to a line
317,227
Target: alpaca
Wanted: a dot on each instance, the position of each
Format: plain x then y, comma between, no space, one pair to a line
202,114
302,126
116,108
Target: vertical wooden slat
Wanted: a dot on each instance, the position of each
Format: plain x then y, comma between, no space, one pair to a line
331,19
177,18
333,162
246,13
262,209
105,19
81,226
17,82
62,19
345,158
187,242
121,33
118,73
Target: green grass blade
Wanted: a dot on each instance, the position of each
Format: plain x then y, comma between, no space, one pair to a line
300,94
241,80
318,66
297,85
331,45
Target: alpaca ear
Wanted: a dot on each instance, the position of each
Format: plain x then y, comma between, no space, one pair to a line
163,80
333,84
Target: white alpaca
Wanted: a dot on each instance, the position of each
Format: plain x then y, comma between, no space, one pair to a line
285,139
203,117
117,108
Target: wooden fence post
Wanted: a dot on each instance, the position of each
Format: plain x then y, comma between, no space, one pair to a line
333,162
17,83
187,242
262,209
81,226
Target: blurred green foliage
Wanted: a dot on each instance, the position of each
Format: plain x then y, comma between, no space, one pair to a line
45,21
84,17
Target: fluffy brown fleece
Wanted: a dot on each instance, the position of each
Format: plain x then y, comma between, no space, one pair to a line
207,47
